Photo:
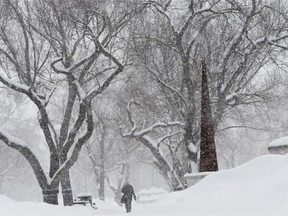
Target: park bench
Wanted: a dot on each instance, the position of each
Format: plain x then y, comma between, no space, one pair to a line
279,146
84,199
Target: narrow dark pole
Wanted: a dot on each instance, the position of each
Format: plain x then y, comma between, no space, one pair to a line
208,156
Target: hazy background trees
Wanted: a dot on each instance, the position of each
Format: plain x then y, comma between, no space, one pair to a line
238,40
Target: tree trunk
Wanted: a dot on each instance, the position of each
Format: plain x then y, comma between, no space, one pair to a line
66,185
66,188
122,177
101,190
50,196
164,167
188,140
117,196
208,156
189,118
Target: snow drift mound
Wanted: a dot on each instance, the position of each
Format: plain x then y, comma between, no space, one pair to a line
257,187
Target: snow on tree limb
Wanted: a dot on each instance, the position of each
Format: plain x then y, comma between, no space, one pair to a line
75,66
21,146
233,44
11,140
75,128
258,43
14,85
44,120
167,85
161,162
160,140
59,71
75,151
98,90
50,95
80,90
134,133
158,125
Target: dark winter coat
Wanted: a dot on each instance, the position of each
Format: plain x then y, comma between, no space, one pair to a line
128,192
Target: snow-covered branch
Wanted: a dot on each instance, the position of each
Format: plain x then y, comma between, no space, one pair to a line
158,125
242,127
232,46
78,143
59,71
21,146
80,90
47,98
99,89
166,85
107,54
160,140
134,133
75,128
242,65
44,119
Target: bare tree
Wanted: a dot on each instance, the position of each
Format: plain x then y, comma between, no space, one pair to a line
109,154
99,152
236,40
169,166
120,166
60,49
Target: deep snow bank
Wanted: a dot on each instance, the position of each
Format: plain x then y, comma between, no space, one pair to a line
257,187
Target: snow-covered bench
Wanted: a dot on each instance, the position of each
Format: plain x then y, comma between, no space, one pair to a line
83,199
145,196
279,146
193,178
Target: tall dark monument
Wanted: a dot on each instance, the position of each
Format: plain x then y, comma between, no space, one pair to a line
208,156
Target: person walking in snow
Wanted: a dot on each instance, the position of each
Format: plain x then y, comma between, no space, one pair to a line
128,192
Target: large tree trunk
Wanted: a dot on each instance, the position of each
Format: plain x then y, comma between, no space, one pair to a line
189,118
65,178
66,188
50,195
66,185
208,156
190,149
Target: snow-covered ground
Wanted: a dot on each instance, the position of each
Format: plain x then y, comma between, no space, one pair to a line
259,187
